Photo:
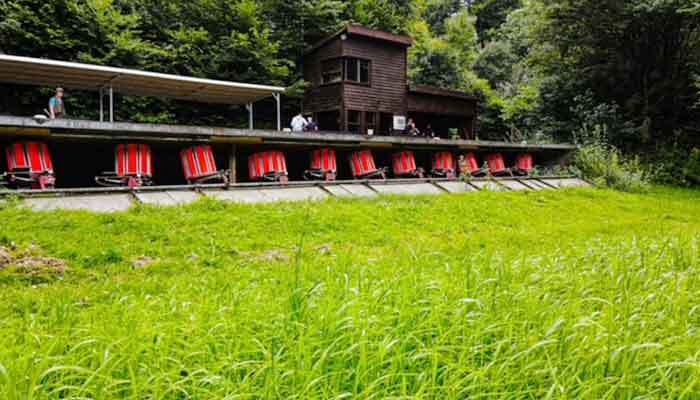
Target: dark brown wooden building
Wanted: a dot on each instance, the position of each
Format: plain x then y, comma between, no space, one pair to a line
359,83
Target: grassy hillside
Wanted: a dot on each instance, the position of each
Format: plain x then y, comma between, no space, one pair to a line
566,294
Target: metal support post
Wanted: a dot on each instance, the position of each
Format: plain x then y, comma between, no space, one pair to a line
102,111
249,106
232,164
279,111
111,104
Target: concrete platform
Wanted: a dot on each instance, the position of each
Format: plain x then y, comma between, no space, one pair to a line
456,187
513,184
268,195
294,194
566,182
358,190
246,196
337,191
167,198
96,203
407,188
101,200
488,185
95,130
536,185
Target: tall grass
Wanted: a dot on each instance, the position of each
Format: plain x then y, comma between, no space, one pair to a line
574,294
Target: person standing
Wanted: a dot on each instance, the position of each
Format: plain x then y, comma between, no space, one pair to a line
57,109
298,123
311,125
411,129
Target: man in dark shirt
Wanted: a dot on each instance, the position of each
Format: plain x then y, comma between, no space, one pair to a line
429,132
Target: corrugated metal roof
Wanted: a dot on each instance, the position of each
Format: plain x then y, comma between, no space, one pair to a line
39,71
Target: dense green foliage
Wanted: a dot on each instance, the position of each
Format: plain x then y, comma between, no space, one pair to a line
543,68
566,294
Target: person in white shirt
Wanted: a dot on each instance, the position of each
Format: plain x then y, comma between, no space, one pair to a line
298,123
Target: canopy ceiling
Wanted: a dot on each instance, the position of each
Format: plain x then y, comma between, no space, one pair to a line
38,71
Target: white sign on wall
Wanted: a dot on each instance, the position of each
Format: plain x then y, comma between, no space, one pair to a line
399,122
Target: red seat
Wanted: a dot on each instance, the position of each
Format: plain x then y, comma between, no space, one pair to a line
362,165
469,165
133,167
268,166
443,165
323,165
496,164
404,165
29,165
524,164
200,167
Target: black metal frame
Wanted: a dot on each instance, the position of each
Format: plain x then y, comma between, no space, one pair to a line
112,179
25,177
319,175
222,176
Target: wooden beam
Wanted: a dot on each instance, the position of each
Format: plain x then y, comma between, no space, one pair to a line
232,164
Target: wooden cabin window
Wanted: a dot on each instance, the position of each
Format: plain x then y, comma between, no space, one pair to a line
364,71
357,70
353,121
370,122
332,70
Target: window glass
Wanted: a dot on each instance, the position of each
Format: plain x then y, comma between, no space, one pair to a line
364,71
351,69
332,71
353,117
370,122
357,70
354,121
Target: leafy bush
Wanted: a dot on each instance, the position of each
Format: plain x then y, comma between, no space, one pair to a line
691,169
605,166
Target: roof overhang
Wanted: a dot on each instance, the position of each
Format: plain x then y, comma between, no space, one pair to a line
436,91
38,71
357,30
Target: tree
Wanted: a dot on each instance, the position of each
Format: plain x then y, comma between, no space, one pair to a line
491,14
393,16
437,12
637,54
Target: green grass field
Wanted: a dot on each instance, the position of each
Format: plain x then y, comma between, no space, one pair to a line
588,294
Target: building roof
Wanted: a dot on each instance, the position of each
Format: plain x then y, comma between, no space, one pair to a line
38,71
356,30
436,91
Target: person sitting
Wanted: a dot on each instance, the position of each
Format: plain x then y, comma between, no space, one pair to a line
57,109
462,165
429,132
311,125
298,123
411,129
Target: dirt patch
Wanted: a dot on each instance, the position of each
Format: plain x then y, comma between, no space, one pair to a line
271,255
143,262
325,249
36,266
278,255
265,256
26,264
5,257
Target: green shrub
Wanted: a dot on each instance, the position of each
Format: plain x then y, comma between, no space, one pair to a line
605,166
691,169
